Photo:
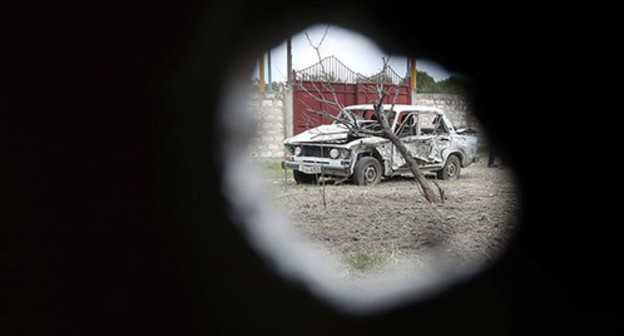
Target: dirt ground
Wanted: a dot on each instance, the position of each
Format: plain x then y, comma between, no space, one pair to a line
392,223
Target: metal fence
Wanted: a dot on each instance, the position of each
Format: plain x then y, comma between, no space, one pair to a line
331,69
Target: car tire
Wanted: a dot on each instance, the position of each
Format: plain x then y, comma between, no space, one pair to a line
303,178
451,169
367,171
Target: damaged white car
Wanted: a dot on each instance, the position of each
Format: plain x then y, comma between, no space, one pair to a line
352,148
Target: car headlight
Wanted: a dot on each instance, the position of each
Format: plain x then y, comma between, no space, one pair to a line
334,153
344,153
297,150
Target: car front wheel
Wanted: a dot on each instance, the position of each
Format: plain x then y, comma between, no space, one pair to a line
451,169
367,171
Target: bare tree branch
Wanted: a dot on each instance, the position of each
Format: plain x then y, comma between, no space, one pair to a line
317,46
326,83
321,98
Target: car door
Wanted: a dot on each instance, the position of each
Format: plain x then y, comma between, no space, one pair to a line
436,129
425,136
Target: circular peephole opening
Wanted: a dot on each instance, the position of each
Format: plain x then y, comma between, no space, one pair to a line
363,175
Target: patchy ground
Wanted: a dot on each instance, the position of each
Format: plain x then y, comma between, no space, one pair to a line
391,223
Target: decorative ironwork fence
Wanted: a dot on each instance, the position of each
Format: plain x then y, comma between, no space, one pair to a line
331,69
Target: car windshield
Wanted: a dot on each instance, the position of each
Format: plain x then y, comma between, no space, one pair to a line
358,116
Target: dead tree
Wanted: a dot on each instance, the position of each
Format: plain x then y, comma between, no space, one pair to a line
380,93
387,133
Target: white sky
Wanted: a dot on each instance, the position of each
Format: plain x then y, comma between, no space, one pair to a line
356,51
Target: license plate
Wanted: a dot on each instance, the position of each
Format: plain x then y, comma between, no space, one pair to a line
310,169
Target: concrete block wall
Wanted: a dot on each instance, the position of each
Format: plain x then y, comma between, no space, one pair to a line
457,107
268,112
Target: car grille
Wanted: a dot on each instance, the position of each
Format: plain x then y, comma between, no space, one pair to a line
315,151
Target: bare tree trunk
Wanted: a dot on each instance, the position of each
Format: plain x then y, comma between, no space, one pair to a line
428,191
426,187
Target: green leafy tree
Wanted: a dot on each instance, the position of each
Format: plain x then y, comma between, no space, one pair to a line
425,83
380,77
453,85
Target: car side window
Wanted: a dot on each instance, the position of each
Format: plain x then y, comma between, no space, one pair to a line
439,127
432,124
408,125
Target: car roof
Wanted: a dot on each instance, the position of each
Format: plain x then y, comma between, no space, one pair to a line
397,107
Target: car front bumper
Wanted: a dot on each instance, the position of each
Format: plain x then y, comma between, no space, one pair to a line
310,165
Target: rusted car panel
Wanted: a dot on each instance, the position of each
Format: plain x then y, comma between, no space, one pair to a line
336,149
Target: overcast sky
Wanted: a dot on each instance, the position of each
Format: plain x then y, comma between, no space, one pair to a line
355,50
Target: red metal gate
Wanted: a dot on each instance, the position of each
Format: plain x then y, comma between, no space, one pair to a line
320,86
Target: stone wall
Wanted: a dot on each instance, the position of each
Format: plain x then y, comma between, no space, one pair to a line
268,112
457,107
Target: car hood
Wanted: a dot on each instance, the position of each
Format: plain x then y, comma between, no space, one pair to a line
334,133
